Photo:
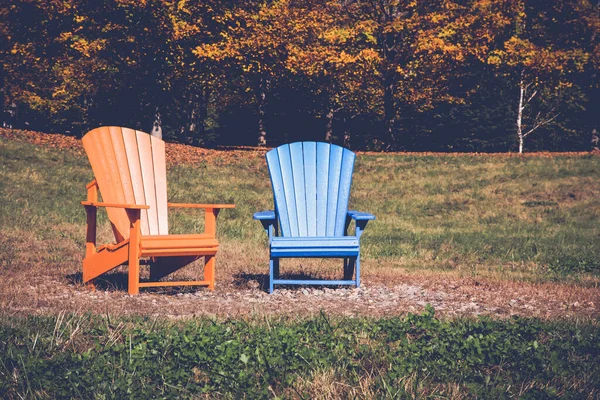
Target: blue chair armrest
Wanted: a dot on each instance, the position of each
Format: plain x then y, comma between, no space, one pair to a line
360,216
268,219
361,219
265,215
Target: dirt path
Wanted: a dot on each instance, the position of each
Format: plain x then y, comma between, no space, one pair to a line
407,293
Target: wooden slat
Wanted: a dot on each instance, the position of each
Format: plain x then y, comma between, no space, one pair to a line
114,205
147,166
135,172
112,179
118,145
278,191
332,241
312,282
297,164
344,191
285,163
93,146
172,283
310,179
177,241
160,182
322,179
335,166
301,252
197,251
192,205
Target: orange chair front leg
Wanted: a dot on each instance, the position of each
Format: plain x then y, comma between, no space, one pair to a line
134,252
209,271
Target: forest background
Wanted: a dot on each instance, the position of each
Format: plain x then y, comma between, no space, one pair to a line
447,75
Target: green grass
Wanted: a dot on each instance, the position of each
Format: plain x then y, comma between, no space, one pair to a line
532,217
510,217
415,356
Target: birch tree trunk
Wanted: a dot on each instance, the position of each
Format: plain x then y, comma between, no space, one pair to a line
157,125
520,113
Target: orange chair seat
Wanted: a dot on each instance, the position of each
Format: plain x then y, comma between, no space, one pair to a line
177,245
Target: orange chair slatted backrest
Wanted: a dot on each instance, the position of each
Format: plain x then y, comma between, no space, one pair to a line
130,168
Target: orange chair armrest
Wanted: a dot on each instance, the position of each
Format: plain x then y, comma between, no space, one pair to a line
186,205
115,205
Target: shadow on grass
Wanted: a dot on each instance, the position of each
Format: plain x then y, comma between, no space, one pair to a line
118,282
261,281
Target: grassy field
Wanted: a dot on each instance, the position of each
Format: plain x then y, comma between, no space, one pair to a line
529,220
532,218
417,356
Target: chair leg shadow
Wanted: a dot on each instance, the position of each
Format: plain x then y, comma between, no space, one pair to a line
261,282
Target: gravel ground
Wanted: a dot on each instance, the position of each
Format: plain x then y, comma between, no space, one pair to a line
375,298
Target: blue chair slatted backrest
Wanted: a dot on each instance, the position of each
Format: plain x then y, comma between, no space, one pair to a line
311,185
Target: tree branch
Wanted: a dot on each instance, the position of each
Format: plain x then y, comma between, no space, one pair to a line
541,123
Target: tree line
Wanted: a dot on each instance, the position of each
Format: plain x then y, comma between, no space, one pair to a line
442,75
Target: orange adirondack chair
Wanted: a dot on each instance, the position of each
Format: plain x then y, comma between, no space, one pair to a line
130,172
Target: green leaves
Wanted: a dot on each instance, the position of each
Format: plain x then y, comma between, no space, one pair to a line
410,355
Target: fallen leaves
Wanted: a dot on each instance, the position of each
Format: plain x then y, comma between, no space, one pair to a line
178,154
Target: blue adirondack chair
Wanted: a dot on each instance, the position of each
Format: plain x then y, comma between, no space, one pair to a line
311,186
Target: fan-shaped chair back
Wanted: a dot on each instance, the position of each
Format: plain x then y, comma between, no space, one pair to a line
130,168
311,185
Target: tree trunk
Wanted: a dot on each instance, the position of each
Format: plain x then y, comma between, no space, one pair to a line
389,109
202,115
193,128
520,113
346,134
187,125
329,125
262,103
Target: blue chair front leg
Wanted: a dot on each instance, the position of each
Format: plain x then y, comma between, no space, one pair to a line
273,272
357,266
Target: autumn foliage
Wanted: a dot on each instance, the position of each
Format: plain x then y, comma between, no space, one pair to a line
477,75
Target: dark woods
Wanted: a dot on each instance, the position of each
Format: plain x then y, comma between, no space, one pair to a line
478,75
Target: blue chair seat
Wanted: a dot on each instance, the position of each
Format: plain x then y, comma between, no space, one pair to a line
315,246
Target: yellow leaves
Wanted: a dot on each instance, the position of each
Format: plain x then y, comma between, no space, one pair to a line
135,3
337,35
369,55
65,36
182,29
87,48
495,59
181,6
